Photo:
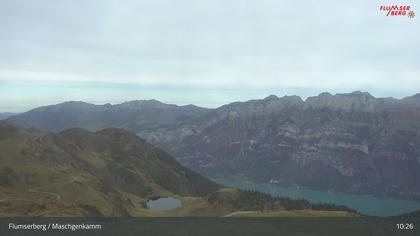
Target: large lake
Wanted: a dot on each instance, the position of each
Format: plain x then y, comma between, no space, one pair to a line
365,204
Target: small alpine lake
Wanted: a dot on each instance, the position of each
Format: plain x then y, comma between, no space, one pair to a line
163,203
366,204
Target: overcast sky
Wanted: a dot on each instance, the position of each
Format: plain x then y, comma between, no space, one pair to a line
204,52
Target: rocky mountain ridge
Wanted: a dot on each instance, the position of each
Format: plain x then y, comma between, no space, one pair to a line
351,143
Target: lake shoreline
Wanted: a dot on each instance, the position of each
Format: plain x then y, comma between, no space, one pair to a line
365,204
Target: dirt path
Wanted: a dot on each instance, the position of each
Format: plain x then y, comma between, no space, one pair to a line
239,213
56,195
49,193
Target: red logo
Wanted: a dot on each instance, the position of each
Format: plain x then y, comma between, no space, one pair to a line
398,10
411,14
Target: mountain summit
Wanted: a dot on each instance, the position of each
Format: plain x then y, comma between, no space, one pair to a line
360,101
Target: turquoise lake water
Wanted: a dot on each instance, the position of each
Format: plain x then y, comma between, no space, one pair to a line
365,204
163,204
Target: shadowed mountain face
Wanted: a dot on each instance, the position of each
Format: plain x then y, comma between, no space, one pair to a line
352,143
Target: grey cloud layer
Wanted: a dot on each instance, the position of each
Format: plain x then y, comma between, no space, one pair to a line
320,44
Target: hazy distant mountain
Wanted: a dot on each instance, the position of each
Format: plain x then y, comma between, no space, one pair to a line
350,142
111,173
134,116
5,115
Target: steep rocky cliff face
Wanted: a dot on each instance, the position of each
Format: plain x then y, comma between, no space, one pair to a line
352,143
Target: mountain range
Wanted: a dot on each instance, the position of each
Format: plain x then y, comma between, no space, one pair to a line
113,172
351,142
134,116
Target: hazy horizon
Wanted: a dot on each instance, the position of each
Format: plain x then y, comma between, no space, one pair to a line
206,53
184,104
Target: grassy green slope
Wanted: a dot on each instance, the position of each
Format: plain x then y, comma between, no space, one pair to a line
108,173
112,172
